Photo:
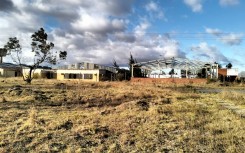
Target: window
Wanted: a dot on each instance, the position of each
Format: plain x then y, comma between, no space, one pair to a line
88,76
73,76
66,76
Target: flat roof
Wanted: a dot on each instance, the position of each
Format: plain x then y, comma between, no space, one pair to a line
9,65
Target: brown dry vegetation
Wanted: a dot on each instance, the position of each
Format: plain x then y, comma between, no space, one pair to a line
74,116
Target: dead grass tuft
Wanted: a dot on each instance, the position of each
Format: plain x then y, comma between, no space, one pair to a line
3,99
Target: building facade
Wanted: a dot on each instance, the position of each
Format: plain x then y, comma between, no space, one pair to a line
10,70
95,75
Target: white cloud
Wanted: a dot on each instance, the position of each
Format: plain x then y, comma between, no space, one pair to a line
196,5
172,49
97,24
215,32
93,48
151,6
226,38
232,39
90,30
205,52
140,29
155,10
74,25
125,37
229,2
155,47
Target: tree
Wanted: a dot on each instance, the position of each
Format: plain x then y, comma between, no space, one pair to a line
137,71
219,65
3,53
122,74
229,65
115,65
41,48
171,72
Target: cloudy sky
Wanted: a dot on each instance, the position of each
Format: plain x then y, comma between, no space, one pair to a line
99,31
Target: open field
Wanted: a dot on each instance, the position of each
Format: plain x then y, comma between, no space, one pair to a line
74,116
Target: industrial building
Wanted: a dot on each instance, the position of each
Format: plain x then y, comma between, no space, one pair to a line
183,68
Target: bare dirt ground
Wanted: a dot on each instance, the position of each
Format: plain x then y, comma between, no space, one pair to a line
75,116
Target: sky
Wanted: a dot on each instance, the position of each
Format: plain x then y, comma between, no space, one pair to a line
100,31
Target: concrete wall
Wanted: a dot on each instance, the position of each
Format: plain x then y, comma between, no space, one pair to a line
9,73
170,80
232,72
222,72
37,72
81,75
228,72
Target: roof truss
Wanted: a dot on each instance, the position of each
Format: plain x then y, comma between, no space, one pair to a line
176,63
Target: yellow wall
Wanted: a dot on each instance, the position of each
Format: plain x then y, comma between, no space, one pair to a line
95,74
1,72
25,71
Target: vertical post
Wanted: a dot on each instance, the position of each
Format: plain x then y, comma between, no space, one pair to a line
186,73
211,69
186,70
132,70
217,71
206,72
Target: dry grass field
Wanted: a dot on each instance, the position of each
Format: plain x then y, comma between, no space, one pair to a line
117,117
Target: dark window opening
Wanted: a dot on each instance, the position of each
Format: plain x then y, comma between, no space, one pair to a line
73,76
88,76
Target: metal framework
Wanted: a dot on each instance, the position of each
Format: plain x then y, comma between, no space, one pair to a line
176,63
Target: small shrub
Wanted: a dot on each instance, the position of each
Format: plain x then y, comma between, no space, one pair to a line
66,125
36,76
143,105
